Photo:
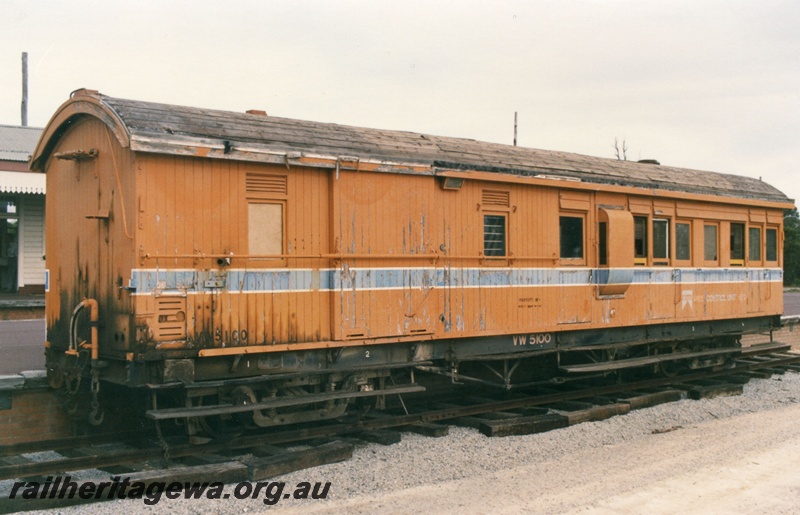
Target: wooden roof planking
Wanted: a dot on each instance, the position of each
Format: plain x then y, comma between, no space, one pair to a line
170,129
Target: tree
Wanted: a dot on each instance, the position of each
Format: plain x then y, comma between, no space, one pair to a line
791,248
624,155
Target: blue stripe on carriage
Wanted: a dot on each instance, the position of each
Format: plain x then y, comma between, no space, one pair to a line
288,280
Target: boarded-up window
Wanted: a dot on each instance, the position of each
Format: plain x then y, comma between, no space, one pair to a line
710,242
755,244
265,228
683,239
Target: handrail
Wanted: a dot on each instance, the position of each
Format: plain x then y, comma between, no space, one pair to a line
147,255
433,256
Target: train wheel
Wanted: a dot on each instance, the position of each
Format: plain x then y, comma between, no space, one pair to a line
229,426
671,368
301,411
220,428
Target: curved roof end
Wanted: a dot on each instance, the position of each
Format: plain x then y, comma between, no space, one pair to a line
82,102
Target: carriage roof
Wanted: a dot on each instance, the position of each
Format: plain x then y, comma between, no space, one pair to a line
254,136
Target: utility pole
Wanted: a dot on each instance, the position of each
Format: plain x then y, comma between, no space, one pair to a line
515,128
24,89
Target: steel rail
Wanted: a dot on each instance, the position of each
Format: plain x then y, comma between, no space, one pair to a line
183,450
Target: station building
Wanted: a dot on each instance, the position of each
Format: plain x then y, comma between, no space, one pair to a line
22,267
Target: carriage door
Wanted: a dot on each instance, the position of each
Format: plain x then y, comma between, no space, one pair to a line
351,302
615,233
662,281
266,230
574,277
420,302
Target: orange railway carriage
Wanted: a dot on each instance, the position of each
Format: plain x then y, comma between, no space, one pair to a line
242,258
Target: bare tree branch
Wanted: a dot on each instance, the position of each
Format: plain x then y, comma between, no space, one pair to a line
624,156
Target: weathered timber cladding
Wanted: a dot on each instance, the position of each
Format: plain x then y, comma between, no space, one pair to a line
90,250
196,206
355,240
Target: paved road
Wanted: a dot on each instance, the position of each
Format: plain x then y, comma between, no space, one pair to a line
791,303
22,341
21,345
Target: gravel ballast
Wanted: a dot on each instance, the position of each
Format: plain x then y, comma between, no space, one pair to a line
664,453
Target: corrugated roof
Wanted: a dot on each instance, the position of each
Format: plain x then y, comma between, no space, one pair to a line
17,143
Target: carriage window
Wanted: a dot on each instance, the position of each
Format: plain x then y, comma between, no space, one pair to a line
494,235
710,242
683,239
571,237
737,244
755,244
660,239
772,244
640,240
265,228
602,234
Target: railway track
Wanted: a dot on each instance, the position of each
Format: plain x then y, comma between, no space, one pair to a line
263,456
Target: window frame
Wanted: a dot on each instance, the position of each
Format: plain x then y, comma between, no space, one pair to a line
665,260
737,261
602,243
641,260
504,216
687,260
709,225
572,260
759,246
776,231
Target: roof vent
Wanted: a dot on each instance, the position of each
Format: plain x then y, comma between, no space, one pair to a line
649,161
258,112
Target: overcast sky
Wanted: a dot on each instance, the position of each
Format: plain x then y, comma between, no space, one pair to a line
710,85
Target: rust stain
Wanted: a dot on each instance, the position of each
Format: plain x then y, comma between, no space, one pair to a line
194,209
